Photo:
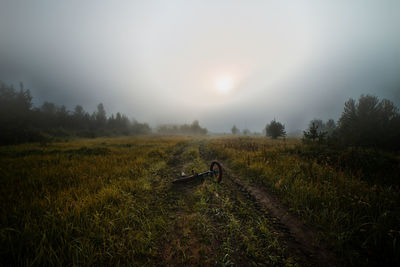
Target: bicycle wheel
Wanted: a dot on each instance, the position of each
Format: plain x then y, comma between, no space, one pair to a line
216,170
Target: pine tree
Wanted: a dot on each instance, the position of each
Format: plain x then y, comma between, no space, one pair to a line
275,129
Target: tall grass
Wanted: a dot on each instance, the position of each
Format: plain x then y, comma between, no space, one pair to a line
111,202
358,216
81,203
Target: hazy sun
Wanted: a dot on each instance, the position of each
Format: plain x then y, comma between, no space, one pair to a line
224,84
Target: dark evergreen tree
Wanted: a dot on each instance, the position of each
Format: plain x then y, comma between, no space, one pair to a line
100,116
246,132
235,130
15,114
330,127
275,129
370,123
314,134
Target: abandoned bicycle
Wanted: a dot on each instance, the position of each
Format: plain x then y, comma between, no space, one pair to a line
215,172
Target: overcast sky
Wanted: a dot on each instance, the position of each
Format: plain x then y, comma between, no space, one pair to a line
221,62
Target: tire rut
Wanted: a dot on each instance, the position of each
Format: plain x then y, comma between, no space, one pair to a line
301,240
180,248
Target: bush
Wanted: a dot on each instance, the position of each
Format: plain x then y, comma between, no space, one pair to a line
275,129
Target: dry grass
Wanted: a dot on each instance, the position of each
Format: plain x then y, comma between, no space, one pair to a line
111,202
356,211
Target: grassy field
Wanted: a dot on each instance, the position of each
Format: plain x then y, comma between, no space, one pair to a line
111,202
351,195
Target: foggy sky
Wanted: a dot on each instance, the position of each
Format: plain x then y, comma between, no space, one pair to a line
158,61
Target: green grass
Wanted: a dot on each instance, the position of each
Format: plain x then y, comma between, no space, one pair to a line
77,206
111,202
354,211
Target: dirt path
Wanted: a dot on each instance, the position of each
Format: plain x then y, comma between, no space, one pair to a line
182,246
301,240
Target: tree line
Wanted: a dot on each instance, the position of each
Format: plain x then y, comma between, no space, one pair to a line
21,122
370,122
192,129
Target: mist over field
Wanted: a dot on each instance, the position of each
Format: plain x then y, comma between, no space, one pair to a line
219,62
199,133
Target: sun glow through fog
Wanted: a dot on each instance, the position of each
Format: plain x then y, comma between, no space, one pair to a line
224,84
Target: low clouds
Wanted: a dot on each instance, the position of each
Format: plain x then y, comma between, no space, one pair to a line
158,61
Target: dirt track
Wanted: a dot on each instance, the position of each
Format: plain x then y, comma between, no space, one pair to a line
301,240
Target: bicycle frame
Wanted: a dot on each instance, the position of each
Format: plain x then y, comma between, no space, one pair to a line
212,172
